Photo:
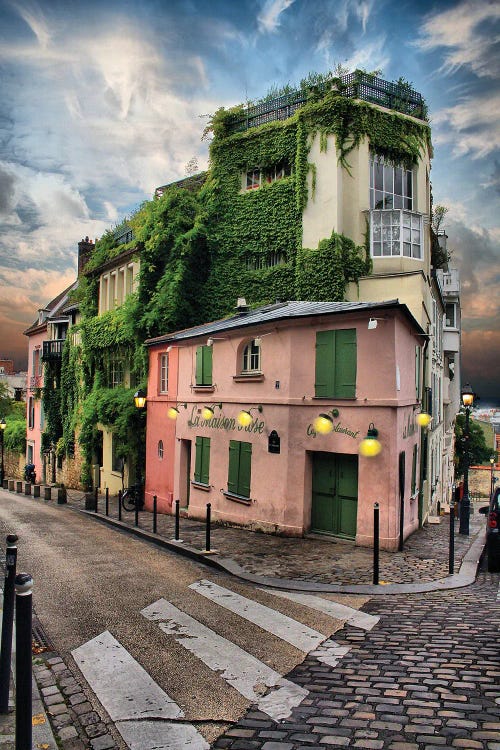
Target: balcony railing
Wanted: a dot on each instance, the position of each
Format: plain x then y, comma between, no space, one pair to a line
396,96
450,281
52,350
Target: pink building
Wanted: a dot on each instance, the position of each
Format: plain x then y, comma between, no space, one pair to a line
258,456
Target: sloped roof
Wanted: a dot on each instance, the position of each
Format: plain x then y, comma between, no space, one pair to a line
53,307
283,311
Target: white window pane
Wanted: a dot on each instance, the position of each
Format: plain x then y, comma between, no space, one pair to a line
406,234
415,222
407,249
377,248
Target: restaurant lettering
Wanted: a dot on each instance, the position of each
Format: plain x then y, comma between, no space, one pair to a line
224,423
339,427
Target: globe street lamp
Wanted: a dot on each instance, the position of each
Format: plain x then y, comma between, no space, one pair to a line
140,399
492,462
467,401
3,425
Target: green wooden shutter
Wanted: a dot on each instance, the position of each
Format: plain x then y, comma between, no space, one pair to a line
234,464
325,346
199,365
345,363
245,469
198,459
205,460
207,365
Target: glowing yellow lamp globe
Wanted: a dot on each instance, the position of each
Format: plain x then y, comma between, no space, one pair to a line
323,424
370,447
423,419
244,418
207,413
172,412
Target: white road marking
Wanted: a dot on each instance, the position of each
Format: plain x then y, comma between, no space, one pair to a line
301,636
334,609
249,676
131,696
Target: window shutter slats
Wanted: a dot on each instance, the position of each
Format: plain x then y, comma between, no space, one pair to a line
234,463
325,343
245,469
345,363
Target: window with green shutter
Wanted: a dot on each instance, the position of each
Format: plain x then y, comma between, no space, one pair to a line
202,460
240,468
204,365
336,361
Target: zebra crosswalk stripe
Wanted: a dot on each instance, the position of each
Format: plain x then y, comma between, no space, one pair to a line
142,711
353,616
249,676
301,636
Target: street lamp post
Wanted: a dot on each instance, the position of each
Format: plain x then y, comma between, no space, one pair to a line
467,401
3,425
140,398
492,489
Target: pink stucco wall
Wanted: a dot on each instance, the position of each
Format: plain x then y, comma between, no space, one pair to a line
34,434
160,470
281,483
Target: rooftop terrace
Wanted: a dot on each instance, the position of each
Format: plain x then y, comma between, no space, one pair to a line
358,85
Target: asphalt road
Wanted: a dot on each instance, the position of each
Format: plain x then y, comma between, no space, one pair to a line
89,579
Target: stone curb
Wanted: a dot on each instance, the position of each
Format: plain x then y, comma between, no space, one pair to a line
466,575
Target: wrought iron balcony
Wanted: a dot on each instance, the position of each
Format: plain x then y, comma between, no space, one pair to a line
52,350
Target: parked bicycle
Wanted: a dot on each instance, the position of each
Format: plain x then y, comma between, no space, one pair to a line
132,497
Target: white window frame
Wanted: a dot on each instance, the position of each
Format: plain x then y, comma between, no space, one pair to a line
384,179
164,372
398,231
252,356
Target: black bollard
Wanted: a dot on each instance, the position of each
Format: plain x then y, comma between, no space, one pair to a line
119,505
155,510
207,530
47,493
376,542
96,498
24,588
7,621
451,554
177,535
136,519
107,501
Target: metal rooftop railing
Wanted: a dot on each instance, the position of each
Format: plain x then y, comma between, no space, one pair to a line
397,96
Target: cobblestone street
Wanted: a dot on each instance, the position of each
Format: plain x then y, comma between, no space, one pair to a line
426,677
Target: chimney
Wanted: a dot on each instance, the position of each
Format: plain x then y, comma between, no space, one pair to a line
85,249
241,306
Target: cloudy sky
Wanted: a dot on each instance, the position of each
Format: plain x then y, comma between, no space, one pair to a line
103,101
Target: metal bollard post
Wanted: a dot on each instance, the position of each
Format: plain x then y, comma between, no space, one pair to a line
7,621
36,490
207,530
136,519
155,510
376,542
24,588
119,505
47,492
451,554
177,508
107,501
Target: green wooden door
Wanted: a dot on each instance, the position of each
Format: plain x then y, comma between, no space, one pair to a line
334,494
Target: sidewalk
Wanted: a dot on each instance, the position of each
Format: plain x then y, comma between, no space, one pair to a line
314,563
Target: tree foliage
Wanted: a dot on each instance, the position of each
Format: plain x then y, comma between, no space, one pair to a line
479,452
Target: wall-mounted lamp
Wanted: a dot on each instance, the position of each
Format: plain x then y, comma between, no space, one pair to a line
210,341
323,424
373,323
173,411
423,419
140,398
169,349
208,411
244,418
370,446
